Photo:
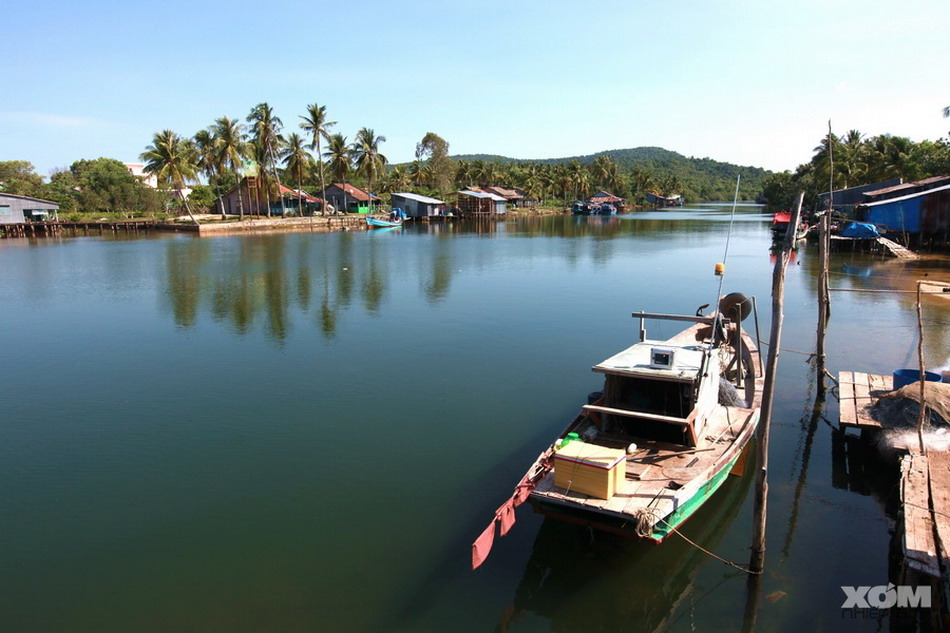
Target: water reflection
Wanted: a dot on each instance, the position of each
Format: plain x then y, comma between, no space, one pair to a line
277,279
574,576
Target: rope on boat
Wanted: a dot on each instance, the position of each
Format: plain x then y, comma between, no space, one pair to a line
790,351
647,518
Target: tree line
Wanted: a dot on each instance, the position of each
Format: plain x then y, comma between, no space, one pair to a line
215,159
855,159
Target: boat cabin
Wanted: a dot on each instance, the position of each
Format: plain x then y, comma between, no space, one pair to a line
657,391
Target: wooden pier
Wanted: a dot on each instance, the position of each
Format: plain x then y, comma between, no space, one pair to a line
48,229
924,517
889,247
896,249
858,393
248,225
924,523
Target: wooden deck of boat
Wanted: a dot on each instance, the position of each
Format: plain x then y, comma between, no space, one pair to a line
925,497
858,393
654,466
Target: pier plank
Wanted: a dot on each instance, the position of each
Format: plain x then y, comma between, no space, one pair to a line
919,544
848,415
940,501
858,391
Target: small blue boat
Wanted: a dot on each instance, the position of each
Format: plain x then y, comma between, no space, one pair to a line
378,223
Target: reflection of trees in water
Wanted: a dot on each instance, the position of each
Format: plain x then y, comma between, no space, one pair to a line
184,281
437,287
264,275
611,226
242,280
257,283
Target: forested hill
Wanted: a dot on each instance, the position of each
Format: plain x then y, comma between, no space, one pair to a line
700,178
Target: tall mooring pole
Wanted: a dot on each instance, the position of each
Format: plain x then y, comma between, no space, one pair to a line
757,563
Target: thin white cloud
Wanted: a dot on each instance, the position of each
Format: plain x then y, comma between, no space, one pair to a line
49,119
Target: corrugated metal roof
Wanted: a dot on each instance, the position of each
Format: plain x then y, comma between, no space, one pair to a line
419,198
294,193
881,192
30,198
908,185
476,194
907,197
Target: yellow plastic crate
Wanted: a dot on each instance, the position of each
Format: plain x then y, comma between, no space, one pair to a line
593,470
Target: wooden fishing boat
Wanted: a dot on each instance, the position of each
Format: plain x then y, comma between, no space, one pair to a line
672,422
780,223
380,223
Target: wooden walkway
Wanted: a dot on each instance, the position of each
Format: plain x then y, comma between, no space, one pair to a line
38,229
896,249
925,497
890,247
858,393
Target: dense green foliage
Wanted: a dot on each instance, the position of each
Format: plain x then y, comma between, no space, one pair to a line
100,186
856,160
19,177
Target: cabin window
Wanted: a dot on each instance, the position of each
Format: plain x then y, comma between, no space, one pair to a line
5,210
660,397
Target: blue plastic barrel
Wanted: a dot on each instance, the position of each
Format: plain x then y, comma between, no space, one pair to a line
903,377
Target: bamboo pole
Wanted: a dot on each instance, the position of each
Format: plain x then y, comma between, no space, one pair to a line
922,418
824,309
757,563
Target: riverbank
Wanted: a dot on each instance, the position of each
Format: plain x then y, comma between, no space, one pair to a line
211,225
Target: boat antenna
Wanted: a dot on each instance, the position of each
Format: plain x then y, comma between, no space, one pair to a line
721,270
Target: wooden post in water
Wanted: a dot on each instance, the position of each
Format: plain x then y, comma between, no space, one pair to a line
924,414
757,563
824,302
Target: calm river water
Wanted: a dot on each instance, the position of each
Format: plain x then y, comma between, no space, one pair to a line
305,432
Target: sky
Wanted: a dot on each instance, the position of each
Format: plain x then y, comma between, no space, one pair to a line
747,82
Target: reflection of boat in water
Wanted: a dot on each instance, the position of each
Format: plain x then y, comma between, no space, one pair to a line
633,584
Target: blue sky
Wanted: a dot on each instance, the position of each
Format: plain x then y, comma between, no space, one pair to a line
748,82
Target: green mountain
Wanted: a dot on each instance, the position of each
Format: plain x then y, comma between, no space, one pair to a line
701,178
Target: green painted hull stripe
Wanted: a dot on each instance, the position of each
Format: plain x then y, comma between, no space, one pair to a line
675,518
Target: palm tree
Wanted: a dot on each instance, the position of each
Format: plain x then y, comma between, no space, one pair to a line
418,173
233,149
340,161
209,161
265,127
579,178
173,161
316,123
397,179
297,161
369,161
534,182
852,148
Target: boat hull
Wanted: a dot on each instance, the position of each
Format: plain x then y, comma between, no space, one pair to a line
663,484
382,224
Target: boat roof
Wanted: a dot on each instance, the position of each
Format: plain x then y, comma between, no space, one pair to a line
635,361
